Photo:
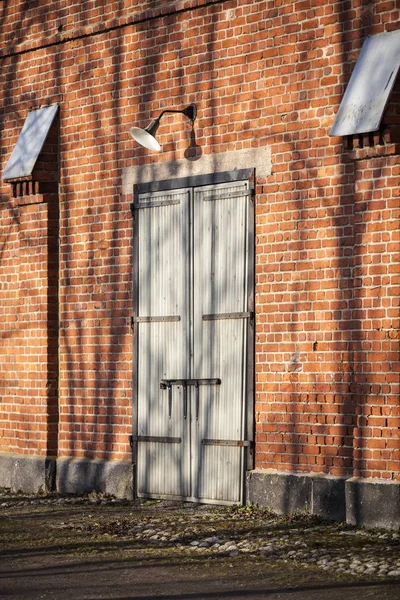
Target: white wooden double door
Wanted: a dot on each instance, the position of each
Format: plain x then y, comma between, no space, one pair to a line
191,327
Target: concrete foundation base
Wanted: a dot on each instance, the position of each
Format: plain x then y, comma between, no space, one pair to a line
81,476
286,493
27,474
361,502
33,475
372,503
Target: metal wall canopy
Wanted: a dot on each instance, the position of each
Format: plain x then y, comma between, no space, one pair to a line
371,82
30,142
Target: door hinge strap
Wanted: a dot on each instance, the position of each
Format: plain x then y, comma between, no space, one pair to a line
229,195
154,204
158,439
221,316
166,319
237,443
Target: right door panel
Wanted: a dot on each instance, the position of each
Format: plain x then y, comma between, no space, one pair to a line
220,320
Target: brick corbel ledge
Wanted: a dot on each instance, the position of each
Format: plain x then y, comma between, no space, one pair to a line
374,152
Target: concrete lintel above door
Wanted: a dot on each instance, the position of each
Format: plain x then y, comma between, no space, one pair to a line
195,181
249,158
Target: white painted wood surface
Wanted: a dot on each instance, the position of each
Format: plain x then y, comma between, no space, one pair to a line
193,261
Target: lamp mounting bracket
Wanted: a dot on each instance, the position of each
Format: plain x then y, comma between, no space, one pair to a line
190,112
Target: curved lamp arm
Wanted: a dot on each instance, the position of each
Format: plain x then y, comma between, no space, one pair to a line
146,137
190,112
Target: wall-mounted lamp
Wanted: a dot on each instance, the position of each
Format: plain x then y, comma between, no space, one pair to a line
146,137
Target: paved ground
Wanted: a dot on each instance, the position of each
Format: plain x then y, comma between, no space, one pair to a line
93,548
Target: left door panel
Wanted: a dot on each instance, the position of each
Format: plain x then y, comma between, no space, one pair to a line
163,447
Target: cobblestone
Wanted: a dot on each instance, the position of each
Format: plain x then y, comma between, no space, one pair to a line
217,532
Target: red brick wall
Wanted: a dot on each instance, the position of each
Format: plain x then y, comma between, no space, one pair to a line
10,329
327,221
28,352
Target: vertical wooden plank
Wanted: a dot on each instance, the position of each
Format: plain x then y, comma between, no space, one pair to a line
250,350
220,284
162,344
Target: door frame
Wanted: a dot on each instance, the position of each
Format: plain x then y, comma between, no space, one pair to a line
193,182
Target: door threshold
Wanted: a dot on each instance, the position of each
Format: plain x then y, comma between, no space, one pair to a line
188,499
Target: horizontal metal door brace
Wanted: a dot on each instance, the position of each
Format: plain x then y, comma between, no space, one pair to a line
229,195
164,383
233,315
167,384
158,439
166,319
237,443
155,204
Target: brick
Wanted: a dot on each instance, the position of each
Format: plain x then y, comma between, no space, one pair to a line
327,221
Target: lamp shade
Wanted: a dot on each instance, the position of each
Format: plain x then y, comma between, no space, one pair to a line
146,137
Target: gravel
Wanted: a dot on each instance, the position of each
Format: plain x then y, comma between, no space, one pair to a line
218,532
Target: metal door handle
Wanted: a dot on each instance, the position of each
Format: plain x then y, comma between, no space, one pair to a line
185,401
196,385
169,401
164,383
168,383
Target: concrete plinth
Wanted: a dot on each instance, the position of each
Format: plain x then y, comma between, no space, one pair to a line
28,474
373,503
362,502
81,476
32,475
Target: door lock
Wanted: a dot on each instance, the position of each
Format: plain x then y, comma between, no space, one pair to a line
167,384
